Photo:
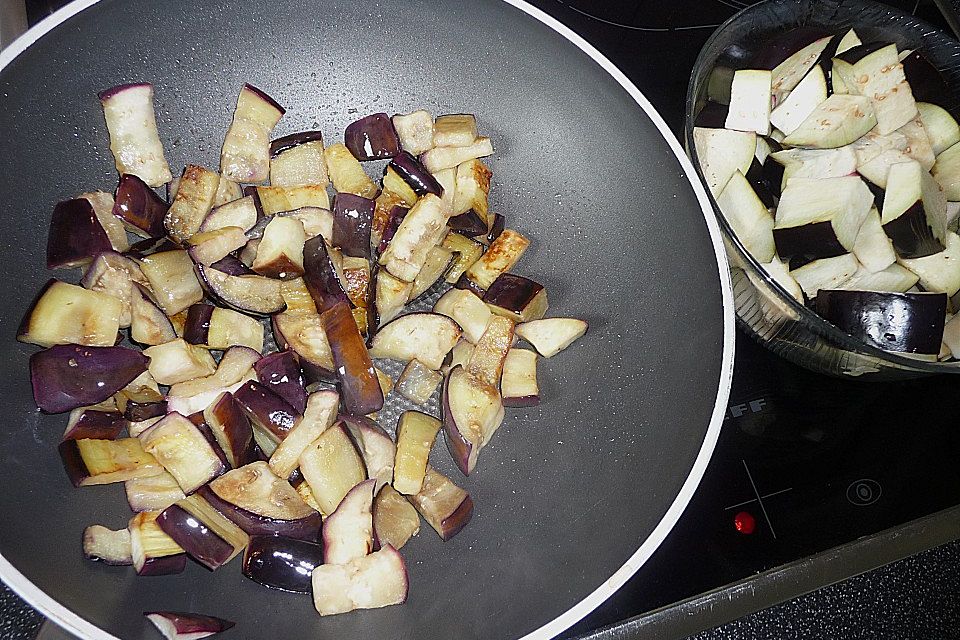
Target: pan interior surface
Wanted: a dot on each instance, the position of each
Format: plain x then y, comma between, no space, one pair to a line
566,492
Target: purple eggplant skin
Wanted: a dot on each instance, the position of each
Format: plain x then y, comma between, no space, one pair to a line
280,145
397,214
499,222
466,283
75,236
352,221
266,409
712,116
470,224
149,246
200,423
815,240
312,371
106,94
96,425
197,326
456,521
926,82
68,376
307,528
186,625
911,234
320,276
263,95
140,411
72,462
280,372
164,565
461,448
237,432
415,174
203,545
757,178
139,206
282,563
232,266
372,138
902,322
781,46
360,390
251,190
512,292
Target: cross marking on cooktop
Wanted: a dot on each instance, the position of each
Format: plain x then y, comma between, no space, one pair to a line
759,498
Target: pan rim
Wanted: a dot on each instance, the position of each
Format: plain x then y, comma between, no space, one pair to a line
79,626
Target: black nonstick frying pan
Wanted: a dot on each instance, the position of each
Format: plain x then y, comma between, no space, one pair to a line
572,496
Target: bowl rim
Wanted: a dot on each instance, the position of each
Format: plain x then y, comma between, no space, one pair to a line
821,327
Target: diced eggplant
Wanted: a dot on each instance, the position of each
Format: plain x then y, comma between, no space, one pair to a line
941,127
250,293
107,546
472,412
209,247
102,204
877,73
76,236
801,102
177,361
136,428
332,466
139,207
872,247
175,625
470,224
900,322
375,445
395,185
319,415
460,355
939,272
837,121
303,333
418,176
347,173
352,220
154,552
65,377
440,158
390,296
153,493
134,141
356,281
518,386
466,253
421,229
97,425
373,581
447,178
455,130
194,200
395,520
227,191
893,278
280,372
390,225
816,163
439,259
280,252
428,337
207,535
316,221
501,256
297,296
918,143
552,335
320,275
417,382
66,314
245,156
260,503
236,213
149,325
269,414
231,428
415,131
749,108
445,506
946,171
473,188
722,153
281,563
486,362
197,326
359,387
820,217
138,412
713,115
791,71
348,531
386,382
183,451
825,273
748,216
372,138
281,199
416,433
172,280
914,212
93,462
517,298
297,159
115,275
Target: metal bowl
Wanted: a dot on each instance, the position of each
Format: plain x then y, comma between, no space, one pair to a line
764,309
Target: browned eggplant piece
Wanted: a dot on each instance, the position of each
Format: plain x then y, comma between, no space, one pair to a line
178,361
486,362
417,382
245,155
282,563
269,414
352,221
465,251
203,532
172,280
67,314
149,325
550,336
89,462
375,445
76,236
139,207
68,376
154,493
395,520
901,322
115,275
249,293
231,428
107,546
303,333
154,552
348,531
469,224
177,625
498,224
416,433
517,298
359,387
320,412
183,451
280,252
472,411
332,466
207,247
391,224
438,262
445,506
518,385
97,425
373,581
236,213
320,275
427,337
193,201
501,256
260,503
415,174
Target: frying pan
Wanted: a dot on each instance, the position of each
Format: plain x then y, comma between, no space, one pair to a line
572,496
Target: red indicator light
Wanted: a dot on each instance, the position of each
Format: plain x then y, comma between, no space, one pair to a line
744,523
